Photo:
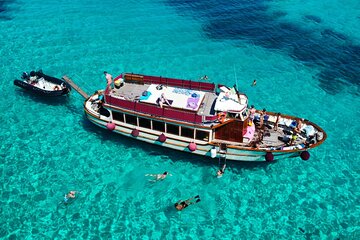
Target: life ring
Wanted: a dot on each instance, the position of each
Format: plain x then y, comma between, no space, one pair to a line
221,117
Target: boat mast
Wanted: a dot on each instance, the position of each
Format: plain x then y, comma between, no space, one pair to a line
236,84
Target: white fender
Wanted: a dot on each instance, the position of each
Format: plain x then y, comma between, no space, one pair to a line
213,152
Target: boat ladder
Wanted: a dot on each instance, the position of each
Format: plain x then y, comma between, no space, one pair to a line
222,154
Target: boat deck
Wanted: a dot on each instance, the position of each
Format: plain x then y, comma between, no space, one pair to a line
133,92
269,139
265,138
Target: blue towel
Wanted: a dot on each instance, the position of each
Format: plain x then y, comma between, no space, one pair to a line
145,96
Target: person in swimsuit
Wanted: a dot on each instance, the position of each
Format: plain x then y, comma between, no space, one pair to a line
262,115
299,125
182,204
70,196
276,125
158,177
109,79
252,111
221,171
162,100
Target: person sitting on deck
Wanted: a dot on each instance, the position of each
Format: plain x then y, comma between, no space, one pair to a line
293,138
299,124
56,88
162,99
33,77
97,100
181,204
63,86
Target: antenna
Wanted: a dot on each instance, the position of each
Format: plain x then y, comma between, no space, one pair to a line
235,77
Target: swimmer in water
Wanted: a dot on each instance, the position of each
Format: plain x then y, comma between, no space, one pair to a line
158,177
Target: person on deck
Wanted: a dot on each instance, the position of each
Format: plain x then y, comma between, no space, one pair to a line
162,99
276,124
293,138
252,112
182,204
262,115
299,124
109,79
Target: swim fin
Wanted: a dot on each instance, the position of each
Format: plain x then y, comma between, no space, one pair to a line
197,196
198,200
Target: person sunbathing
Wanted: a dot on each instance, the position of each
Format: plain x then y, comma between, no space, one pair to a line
162,99
299,124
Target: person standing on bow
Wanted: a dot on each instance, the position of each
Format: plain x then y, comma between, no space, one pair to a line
109,79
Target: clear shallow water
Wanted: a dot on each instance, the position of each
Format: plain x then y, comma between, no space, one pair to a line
48,147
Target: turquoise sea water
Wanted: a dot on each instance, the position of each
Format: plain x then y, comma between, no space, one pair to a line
305,57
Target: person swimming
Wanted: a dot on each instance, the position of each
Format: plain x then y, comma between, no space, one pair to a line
221,171
254,83
205,77
70,196
159,177
182,204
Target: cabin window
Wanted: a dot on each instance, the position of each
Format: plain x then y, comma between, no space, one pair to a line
118,116
145,123
173,129
187,132
202,135
130,119
158,126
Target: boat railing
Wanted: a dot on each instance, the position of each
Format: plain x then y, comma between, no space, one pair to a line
154,110
173,82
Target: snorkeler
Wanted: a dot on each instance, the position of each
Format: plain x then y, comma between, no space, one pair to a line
158,177
181,204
